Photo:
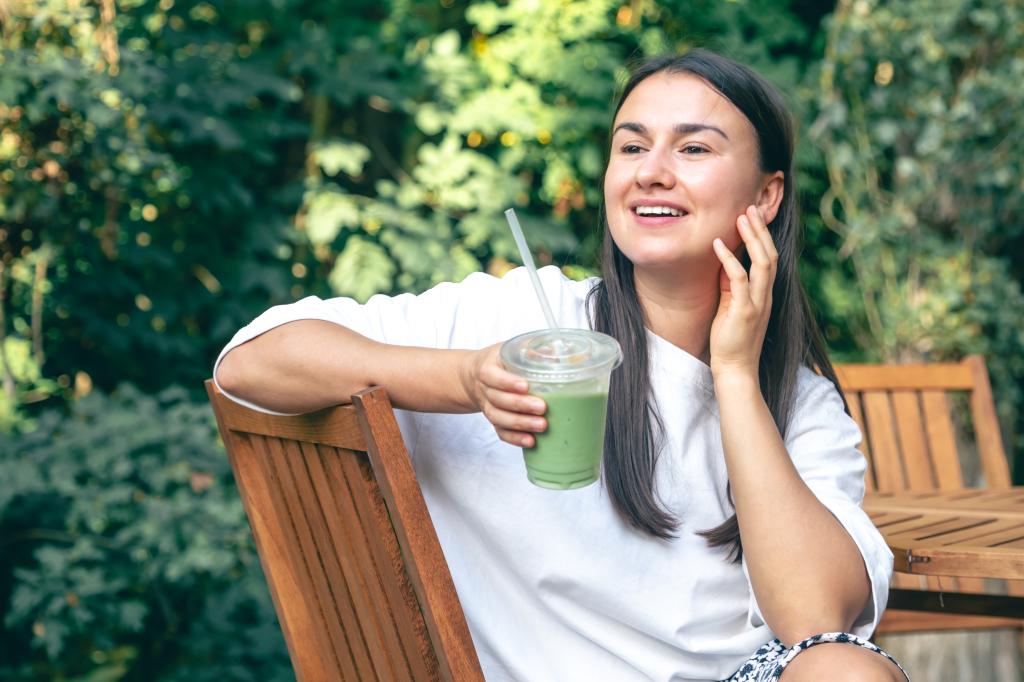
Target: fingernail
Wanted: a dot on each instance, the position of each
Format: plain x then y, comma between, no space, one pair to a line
538,406
539,424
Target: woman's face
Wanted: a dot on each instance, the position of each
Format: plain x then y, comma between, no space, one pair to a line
683,166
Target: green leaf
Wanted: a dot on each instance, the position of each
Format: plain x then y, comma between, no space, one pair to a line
340,156
362,269
328,212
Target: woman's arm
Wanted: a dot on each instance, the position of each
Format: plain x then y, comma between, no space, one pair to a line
806,571
307,365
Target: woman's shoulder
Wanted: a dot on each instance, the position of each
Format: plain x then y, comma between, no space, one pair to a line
815,394
551,276
556,284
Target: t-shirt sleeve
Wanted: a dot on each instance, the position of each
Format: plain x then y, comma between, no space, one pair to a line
822,442
476,312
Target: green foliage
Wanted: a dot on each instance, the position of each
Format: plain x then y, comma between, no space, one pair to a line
126,550
511,109
919,122
173,168
170,170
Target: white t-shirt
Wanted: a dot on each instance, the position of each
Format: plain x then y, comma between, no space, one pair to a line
554,584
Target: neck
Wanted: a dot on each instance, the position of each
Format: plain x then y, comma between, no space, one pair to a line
679,309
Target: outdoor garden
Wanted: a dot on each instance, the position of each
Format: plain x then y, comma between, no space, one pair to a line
171,168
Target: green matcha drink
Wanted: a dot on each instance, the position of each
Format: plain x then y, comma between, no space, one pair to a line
570,370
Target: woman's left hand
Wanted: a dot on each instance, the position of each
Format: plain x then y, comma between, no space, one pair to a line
737,332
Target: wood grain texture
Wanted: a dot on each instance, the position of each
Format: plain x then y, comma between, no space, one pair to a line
356,573
427,569
913,443
341,552
301,551
934,376
301,632
897,621
917,428
884,441
941,440
337,599
986,427
336,426
368,514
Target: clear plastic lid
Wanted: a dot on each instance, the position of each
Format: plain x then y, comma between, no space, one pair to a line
561,354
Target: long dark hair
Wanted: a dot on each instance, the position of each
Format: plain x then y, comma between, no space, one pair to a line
792,339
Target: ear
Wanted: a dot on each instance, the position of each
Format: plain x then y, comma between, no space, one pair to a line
770,197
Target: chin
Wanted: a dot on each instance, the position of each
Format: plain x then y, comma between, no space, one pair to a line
655,259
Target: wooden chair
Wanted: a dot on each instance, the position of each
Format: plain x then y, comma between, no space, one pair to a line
357,576
910,442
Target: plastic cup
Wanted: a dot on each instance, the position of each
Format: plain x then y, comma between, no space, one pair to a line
570,370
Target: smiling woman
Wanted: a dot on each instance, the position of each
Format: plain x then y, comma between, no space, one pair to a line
683,157
727,537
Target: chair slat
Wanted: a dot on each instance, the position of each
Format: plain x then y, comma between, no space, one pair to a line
986,427
913,443
348,585
427,569
986,527
397,608
367,513
334,426
914,377
300,616
941,440
1004,536
366,578
884,443
935,531
329,611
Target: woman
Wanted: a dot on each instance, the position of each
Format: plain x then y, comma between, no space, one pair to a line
727,536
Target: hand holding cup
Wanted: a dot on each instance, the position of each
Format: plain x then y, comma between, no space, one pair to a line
503,398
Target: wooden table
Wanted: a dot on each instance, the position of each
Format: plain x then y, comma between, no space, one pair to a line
971,533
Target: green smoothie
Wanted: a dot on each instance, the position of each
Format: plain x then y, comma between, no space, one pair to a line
568,454
570,370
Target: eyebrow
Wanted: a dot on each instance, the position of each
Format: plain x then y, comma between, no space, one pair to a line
678,128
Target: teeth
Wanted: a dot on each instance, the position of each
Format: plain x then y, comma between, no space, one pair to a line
657,210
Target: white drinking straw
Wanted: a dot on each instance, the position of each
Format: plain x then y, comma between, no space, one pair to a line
524,252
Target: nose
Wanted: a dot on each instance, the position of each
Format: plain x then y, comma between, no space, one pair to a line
655,170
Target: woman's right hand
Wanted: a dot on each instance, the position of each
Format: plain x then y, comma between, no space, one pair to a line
503,398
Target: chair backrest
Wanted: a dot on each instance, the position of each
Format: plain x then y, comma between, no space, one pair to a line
909,436
355,570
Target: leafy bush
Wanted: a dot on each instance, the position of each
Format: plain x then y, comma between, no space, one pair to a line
924,145
126,553
172,168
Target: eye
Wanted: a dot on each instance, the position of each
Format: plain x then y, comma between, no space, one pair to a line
631,149
692,148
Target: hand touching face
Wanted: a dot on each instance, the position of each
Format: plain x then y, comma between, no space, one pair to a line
684,164
745,300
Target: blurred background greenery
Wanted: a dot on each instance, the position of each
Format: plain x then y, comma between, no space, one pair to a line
171,168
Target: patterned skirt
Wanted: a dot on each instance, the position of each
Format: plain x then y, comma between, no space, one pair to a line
767,664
